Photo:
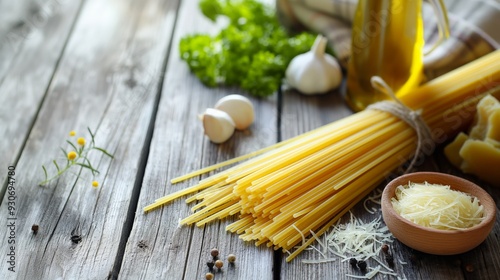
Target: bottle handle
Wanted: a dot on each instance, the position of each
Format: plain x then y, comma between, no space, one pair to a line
442,23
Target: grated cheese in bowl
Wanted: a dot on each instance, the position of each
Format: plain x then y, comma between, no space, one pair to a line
437,206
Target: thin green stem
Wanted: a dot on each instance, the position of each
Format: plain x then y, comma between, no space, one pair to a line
57,175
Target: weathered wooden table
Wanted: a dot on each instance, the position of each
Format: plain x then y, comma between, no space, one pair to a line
113,66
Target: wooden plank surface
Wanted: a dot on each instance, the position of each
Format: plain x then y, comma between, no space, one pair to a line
32,38
108,80
114,66
158,246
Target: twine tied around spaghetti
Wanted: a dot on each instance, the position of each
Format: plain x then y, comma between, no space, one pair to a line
403,112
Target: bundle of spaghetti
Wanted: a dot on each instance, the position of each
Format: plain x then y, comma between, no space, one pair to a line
299,188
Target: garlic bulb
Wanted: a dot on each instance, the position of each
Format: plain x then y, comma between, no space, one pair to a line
315,71
239,108
218,125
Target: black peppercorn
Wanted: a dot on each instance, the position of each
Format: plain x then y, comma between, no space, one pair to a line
469,268
210,265
214,253
34,228
390,260
353,262
385,248
362,265
414,258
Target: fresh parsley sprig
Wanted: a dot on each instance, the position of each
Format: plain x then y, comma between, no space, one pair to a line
251,52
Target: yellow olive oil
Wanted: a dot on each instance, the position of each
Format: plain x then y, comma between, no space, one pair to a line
387,41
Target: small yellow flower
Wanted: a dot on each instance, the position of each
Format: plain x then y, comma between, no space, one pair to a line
80,141
72,155
72,133
95,184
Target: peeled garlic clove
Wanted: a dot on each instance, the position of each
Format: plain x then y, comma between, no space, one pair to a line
239,108
218,125
315,71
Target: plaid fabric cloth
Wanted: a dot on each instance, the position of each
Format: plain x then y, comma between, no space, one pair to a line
474,28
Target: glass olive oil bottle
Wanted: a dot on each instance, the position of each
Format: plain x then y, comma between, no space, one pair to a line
387,41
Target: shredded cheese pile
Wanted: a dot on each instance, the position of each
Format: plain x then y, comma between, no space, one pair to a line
373,199
355,239
437,206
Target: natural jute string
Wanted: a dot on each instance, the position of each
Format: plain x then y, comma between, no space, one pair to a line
398,109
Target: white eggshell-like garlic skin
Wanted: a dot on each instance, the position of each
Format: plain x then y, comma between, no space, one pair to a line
311,74
239,108
218,125
314,72
334,76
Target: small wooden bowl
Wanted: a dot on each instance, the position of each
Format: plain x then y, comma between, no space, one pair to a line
434,241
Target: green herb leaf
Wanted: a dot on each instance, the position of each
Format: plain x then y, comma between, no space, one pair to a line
74,147
252,52
45,172
94,171
211,9
103,151
65,154
57,166
88,167
92,135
